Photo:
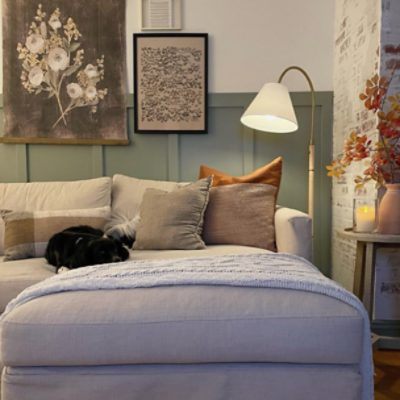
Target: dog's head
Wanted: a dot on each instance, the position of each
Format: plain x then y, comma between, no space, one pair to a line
105,250
124,232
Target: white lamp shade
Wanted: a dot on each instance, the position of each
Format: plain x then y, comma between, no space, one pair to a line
271,110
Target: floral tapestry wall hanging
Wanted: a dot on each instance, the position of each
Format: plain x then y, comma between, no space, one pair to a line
64,72
170,79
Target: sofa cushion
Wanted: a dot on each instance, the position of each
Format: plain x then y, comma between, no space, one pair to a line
28,232
236,381
127,194
241,214
35,196
293,232
220,250
182,324
173,220
15,276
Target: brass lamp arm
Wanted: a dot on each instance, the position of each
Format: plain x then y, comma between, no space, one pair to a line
295,67
311,147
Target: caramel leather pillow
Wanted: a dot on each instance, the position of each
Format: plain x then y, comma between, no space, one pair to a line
241,214
269,174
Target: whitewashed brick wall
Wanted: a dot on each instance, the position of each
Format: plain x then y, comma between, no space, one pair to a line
356,58
367,40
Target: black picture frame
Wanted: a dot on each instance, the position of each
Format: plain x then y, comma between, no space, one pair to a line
170,82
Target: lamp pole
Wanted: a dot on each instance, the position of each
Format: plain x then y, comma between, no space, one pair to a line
311,146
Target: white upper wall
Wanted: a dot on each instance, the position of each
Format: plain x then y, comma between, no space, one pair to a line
252,41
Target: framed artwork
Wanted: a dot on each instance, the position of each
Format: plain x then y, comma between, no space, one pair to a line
161,15
64,72
170,82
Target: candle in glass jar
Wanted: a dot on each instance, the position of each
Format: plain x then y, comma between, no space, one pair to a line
365,219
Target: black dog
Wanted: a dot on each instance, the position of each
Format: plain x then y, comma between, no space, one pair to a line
83,245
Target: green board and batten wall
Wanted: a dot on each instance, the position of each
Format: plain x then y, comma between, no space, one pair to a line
228,146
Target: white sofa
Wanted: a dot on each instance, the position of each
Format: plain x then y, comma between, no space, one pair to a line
124,195
183,342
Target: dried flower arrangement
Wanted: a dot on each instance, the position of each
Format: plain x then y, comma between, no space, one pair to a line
383,165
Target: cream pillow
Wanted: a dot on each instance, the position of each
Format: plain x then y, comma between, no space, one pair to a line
127,195
36,196
27,232
173,220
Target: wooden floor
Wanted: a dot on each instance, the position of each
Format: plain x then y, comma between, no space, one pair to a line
387,375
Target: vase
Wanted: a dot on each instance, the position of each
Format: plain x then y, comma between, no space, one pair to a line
389,210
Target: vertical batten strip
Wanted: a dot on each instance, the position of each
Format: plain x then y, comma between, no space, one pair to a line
248,149
173,157
22,163
97,161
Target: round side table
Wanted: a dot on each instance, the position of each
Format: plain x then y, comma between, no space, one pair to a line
364,273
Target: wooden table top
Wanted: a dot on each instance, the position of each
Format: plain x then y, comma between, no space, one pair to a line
373,237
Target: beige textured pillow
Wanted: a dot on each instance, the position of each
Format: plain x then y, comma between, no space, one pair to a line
241,214
173,220
27,232
127,194
36,196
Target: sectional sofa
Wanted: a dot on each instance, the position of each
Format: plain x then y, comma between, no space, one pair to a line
174,341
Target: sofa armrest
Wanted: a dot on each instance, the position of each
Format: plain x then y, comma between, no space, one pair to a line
293,232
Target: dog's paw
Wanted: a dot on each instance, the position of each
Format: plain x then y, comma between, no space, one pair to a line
62,270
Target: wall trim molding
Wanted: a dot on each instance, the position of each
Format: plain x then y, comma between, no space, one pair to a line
171,156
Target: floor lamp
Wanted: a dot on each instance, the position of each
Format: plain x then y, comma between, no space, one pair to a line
272,111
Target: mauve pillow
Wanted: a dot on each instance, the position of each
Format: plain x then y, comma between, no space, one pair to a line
241,214
173,220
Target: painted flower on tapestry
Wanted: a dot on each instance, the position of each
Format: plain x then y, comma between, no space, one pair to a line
43,30
35,43
91,92
58,59
74,91
36,76
52,63
55,22
91,71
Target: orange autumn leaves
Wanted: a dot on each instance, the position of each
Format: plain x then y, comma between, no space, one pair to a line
382,156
